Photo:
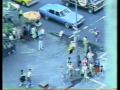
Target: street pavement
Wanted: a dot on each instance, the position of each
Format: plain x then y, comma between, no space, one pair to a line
48,66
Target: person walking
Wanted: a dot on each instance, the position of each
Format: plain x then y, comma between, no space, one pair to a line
29,74
22,78
40,42
84,70
97,66
61,33
90,55
78,61
41,32
85,44
96,34
71,47
11,37
33,32
70,67
37,24
20,13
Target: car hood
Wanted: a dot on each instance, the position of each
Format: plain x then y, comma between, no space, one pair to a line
71,17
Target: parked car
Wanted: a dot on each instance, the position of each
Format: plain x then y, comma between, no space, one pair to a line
90,5
61,14
26,2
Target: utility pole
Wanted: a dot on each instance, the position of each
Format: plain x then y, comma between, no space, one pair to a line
76,11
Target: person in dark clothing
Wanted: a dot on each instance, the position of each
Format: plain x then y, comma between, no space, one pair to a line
26,34
78,61
97,66
22,78
89,73
20,13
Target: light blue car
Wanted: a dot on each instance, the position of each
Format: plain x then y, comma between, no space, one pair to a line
61,14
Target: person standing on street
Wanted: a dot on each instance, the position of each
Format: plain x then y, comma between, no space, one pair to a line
29,73
20,13
97,34
71,47
85,44
41,32
33,32
14,33
70,68
22,78
90,55
40,42
78,61
61,33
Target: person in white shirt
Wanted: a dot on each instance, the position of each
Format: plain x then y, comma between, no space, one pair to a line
29,73
85,44
11,37
90,55
41,32
70,67
61,33
33,32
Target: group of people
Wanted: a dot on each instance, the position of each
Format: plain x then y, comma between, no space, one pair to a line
25,78
89,66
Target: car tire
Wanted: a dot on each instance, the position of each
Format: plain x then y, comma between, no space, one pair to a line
67,25
90,10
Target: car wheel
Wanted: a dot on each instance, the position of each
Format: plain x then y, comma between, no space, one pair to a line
67,25
67,4
90,10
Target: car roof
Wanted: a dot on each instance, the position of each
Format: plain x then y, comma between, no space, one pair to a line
56,7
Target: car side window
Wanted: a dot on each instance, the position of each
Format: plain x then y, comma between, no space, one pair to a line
57,13
51,11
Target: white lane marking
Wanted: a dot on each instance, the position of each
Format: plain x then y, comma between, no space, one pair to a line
95,22
100,88
98,82
100,19
102,55
85,27
102,85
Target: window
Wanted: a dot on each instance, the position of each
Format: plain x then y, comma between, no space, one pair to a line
57,13
65,12
51,11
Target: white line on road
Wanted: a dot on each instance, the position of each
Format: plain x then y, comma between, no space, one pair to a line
102,85
100,88
85,27
102,55
100,19
98,82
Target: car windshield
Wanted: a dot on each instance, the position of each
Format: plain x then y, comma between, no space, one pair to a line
65,12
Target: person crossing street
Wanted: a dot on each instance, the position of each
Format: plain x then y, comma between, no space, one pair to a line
85,44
